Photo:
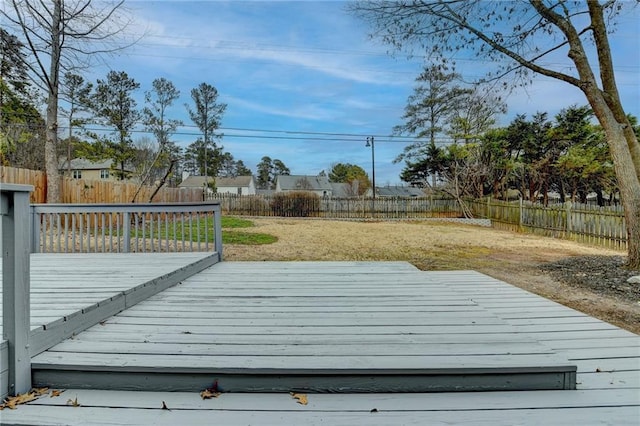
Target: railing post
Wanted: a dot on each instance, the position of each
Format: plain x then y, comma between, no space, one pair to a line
14,228
217,224
126,231
35,230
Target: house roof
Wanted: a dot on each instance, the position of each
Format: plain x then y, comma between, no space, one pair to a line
199,181
343,190
238,181
297,182
84,164
194,182
399,191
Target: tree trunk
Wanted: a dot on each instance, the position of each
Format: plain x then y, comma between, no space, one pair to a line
164,180
51,132
626,174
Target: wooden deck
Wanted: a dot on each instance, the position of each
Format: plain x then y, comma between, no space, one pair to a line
71,292
307,327
340,326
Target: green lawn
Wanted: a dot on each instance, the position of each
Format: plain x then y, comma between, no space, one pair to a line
239,237
204,231
235,222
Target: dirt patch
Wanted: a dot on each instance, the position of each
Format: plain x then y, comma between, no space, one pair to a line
589,279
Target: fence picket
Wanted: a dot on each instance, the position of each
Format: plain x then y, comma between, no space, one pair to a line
603,226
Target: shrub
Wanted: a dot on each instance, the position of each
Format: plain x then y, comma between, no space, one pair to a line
295,204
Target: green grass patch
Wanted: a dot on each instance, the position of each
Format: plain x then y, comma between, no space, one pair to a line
203,230
239,237
235,222
247,238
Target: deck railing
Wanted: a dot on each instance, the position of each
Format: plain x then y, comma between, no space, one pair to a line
81,228
124,228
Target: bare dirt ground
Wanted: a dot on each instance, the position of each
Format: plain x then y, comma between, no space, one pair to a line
586,278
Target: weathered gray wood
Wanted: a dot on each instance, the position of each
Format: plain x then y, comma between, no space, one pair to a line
4,369
14,243
610,380
382,349
431,402
609,383
100,334
67,297
323,381
202,329
472,364
55,415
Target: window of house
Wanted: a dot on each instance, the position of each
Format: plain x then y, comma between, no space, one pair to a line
239,191
76,174
104,174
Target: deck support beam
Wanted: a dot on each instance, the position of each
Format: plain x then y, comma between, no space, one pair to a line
14,229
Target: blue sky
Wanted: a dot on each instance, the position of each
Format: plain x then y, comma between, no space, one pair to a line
308,66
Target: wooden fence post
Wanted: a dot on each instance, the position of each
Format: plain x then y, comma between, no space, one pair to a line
520,214
14,228
569,226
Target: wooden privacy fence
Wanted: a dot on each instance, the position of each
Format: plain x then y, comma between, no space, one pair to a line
603,226
337,208
105,191
96,191
36,178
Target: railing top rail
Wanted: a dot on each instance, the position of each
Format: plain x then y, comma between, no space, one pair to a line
15,187
137,207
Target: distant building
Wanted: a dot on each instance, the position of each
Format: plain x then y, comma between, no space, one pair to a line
240,185
317,184
399,192
82,168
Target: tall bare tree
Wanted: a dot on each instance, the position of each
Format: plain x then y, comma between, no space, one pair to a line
520,36
207,115
75,90
156,120
61,36
114,106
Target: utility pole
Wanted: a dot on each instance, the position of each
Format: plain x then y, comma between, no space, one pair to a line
373,174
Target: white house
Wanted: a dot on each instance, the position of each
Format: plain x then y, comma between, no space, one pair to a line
240,185
317,184
82,168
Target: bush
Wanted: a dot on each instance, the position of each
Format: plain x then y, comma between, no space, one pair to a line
295,204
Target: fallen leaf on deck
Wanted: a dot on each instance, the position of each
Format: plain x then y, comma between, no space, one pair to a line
164,406
208,394
14,401
40,391
55,392
73,402
211,392
301,397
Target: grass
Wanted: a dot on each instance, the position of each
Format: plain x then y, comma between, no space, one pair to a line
235,222
203,230
239,237
247,238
